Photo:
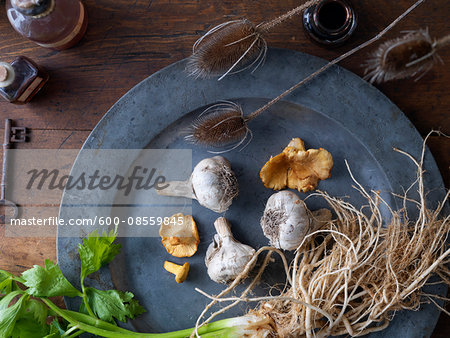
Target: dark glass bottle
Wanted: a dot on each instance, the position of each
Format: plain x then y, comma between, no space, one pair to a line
56,24
330,22
21,80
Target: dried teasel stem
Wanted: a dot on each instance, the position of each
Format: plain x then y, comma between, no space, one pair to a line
211,130
413,54
361,272
442,42
234,46
333,62
266,26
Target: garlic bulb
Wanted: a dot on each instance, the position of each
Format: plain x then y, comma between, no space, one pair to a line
287,220
212,183
226,258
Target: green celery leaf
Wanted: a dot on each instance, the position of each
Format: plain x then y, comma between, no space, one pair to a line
7,283
4,302
4,275
97,251
37,311
112,304
26,327
33,322
53,335
55,330
135,308
48,281
131,304
10,314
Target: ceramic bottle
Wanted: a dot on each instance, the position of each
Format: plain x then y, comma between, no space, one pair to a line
56,24
21,79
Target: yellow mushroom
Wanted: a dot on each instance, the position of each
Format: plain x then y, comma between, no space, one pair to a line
180,235
297,168
180,271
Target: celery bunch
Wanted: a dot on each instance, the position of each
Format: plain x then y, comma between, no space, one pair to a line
26,310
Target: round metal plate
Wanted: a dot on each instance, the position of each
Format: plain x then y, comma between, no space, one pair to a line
337,111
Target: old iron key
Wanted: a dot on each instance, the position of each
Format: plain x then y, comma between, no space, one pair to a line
12,135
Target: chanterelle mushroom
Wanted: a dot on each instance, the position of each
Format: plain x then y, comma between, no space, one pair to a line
180,235
297,168
180,271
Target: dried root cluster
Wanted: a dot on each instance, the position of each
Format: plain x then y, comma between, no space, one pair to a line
350,276
360,272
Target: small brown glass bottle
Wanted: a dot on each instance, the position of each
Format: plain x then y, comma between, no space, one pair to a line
330,22
21,80
55,24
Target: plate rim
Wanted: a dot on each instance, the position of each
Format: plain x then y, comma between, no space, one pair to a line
96,137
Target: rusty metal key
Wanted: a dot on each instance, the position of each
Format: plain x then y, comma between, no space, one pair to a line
12,135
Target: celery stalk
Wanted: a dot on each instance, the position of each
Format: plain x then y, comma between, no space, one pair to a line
222,328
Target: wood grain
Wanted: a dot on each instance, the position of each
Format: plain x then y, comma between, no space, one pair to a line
18,253
129,40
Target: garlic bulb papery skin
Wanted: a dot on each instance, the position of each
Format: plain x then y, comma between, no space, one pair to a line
226,258
212,183
287,220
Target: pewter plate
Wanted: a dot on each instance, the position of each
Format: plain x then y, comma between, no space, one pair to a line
337,111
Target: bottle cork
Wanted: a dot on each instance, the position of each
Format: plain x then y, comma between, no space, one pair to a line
21,79
25,3
7,74
34,8
3,73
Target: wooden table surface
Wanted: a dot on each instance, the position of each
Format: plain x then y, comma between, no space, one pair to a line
128,40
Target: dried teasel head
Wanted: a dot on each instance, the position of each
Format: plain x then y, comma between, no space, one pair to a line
220,125
234,46
410,55
228,48
225,123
